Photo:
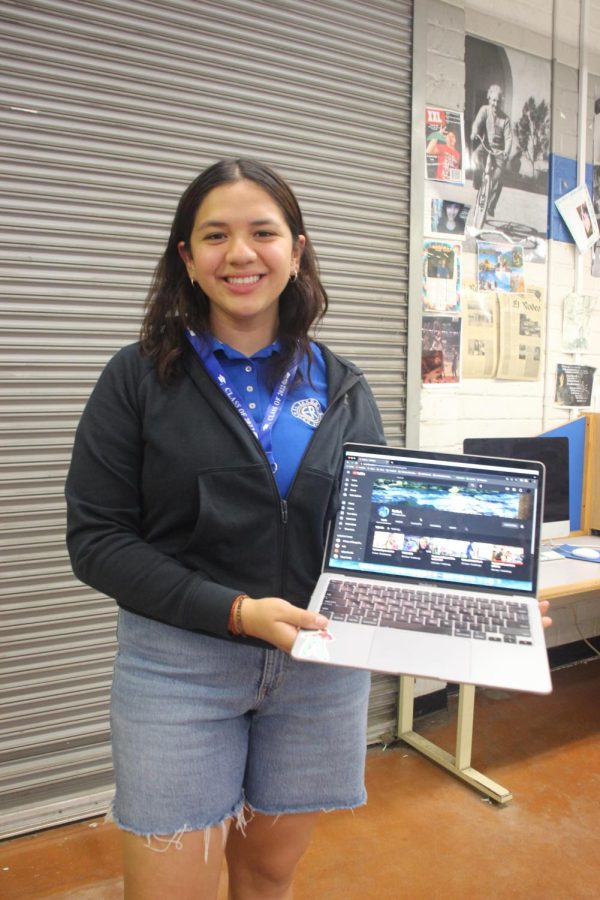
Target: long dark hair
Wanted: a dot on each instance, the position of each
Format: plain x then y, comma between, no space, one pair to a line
174,304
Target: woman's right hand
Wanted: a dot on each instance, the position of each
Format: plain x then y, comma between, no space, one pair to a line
544,607
276,621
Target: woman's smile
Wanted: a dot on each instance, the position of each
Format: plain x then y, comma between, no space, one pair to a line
243,283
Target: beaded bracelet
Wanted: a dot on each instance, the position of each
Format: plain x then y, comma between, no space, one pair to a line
234,624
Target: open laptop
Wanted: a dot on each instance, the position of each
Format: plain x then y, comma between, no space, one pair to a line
431,569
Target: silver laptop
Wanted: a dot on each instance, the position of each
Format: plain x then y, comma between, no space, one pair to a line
431,569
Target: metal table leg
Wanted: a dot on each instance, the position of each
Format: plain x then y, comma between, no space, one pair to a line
460,763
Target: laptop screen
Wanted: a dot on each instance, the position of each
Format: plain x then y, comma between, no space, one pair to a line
460,520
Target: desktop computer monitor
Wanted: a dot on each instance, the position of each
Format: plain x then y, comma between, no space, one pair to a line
553,452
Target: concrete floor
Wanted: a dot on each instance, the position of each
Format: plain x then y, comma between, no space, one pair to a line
424,835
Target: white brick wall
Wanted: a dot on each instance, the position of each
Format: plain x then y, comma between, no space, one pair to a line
450,413
502,408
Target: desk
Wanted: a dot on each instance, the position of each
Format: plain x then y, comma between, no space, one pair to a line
568,578
558,578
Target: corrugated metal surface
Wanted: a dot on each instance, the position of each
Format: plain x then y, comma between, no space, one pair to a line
108,110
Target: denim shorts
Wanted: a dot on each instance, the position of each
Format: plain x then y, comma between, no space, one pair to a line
203,727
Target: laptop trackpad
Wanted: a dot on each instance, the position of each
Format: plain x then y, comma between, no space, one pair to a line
431,656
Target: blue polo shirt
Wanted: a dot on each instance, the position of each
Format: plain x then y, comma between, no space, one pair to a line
303,409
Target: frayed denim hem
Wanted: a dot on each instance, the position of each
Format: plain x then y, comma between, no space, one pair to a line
160,842
310,808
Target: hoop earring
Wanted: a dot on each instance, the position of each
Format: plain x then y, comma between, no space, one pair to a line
294,276
192,282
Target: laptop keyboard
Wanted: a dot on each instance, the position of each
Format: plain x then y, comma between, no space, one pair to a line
437,612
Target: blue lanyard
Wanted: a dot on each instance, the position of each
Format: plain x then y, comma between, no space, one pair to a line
262,434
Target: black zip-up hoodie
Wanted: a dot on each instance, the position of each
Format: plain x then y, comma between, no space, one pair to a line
172,506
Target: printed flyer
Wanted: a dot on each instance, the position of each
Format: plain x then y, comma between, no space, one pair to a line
574,385
440,353
444,143
441,276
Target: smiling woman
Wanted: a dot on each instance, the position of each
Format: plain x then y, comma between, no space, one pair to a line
203,478
177,296
242,254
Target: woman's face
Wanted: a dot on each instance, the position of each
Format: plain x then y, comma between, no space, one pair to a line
242,254
452,210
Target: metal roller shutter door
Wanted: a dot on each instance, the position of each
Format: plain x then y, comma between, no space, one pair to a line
109,109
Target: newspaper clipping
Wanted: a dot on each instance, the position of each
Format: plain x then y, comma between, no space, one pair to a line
521,336
480,342
502,335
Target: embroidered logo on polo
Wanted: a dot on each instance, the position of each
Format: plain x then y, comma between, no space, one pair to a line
308,411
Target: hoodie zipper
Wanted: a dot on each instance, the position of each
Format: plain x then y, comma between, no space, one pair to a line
341,396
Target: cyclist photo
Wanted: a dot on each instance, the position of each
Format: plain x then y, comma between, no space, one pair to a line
491,143
507,119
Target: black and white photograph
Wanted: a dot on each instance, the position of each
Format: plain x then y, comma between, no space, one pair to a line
507,143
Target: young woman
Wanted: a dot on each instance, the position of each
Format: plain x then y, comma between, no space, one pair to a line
203,477
451,221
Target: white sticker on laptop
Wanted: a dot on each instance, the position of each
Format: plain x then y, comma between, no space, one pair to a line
314,645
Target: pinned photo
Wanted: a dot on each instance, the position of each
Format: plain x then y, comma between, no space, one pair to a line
448,217
578,213
500,268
